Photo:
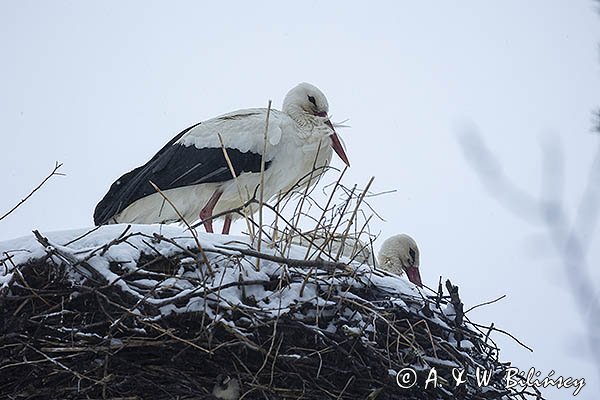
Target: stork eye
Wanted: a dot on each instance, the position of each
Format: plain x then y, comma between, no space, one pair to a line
312,100
412,254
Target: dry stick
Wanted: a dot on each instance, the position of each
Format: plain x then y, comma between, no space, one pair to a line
114,325
252,201
300,205
273,337
288,223
374,312
339,221
329,200
238,210
35,294
298,185
486,303
61,365
361,249
119,239
104,248
342,212
320,249
456,303
69,259
351,221
219,294
82,236
276,221
285,199
262,186
57,165
310,176
291,262
423,321
487,335
150,324
44,360
192,231
358,248
501,331
345,387
239,189
272,378
358,233
168,332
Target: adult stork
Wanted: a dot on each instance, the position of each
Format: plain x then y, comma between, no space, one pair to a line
192,170
399,254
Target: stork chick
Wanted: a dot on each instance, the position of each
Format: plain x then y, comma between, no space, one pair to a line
226,388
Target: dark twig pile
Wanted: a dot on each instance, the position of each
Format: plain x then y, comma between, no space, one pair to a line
148,315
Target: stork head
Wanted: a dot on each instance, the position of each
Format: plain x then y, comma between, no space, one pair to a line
307,100
399,254
226,388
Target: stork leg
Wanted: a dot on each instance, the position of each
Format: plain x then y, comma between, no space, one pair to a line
207,211
226,225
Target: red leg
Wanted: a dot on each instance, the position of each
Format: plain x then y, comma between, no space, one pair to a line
207,211
226,225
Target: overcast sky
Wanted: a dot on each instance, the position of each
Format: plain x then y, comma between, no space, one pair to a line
102,86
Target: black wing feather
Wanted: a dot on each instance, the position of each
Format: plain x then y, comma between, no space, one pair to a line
174,166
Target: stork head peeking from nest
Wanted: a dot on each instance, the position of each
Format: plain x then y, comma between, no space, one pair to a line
399,254
226,388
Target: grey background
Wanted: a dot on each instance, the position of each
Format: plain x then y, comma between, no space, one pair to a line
101,86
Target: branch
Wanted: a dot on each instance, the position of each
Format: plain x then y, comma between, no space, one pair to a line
571,238
291,262
486,303
57,165
192,231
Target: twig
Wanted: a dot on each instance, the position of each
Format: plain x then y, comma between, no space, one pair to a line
486,303
351,220
292,262
262,185
242,209
192,231
491,327
54,172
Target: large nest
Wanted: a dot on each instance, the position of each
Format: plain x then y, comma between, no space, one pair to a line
150,312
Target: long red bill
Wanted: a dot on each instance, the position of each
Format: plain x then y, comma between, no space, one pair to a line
414,276
337,145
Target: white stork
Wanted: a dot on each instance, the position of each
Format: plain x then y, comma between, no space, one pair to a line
399,254
192,172
226,388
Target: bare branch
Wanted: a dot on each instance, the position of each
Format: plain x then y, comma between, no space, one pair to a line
54,172
571,236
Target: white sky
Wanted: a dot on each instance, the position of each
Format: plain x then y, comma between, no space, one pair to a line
101,87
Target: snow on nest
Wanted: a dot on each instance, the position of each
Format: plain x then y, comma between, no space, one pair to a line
154,274
114,250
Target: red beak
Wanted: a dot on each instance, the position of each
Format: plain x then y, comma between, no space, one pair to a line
336,144
414,276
